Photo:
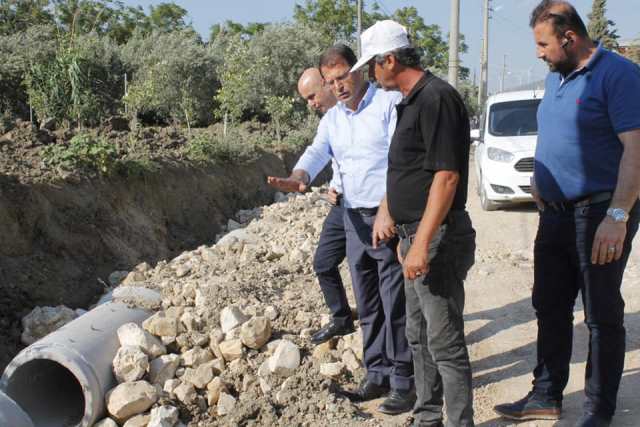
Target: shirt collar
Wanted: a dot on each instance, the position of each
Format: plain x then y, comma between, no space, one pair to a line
366,100
599,53
588,67
426,77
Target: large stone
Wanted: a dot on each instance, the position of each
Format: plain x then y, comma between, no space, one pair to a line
171,385
332,370
129,399
285,360
130,364
133,335
161,325
231,317
226,403
133,277
214,388
271,347
138,421
321,351
163,416
350,360
42,321
107,422
354,342
256,332
163,368
231,350
186,393
199,377
196,356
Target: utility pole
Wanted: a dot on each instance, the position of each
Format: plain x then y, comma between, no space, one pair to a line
484,58
454,43
504,72
359,28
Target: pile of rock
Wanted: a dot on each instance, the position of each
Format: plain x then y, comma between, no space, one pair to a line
229,343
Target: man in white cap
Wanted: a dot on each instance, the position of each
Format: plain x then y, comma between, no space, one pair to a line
426,196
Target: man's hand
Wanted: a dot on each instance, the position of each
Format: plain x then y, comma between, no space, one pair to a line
297,182
536,195
333,196
608,242
384,228
416,263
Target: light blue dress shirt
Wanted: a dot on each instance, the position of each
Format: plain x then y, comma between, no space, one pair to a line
359,142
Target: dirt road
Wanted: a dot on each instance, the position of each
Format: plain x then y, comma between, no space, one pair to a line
501,326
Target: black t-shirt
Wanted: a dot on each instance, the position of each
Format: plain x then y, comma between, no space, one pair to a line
432,134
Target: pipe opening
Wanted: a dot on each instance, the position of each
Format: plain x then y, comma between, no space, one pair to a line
48,392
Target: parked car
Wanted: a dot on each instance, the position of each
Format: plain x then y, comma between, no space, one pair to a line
505,148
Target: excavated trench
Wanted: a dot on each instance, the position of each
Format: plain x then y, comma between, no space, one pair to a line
58,239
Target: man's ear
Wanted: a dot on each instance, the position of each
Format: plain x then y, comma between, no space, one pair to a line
392,62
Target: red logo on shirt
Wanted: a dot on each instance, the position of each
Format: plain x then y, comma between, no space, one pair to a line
578,101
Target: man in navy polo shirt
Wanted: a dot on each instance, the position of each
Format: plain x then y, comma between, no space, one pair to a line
586,184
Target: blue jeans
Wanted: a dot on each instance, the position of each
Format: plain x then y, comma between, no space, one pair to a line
562,268
331,251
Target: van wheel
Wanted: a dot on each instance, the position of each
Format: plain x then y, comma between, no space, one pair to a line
485,202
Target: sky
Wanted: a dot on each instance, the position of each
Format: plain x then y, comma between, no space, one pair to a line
509,32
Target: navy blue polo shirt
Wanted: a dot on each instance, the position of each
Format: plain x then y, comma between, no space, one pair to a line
579,119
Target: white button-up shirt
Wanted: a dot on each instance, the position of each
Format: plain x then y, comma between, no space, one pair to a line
359,142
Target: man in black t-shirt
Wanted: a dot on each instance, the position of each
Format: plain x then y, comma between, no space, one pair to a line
426,197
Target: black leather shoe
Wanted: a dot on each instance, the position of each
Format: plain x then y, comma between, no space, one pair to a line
329,331
397,402
592,420
366,391
530,408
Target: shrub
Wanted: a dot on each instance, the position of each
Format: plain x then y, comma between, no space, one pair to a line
267,65
174,78
83,153
82,83
207,148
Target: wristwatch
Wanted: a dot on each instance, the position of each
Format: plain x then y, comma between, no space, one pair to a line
618,214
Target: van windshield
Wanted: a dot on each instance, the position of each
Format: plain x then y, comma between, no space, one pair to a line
514,118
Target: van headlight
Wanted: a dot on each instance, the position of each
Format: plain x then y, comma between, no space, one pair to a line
499,155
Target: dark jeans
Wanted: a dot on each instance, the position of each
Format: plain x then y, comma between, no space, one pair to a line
435,326
562,268
332,248
377,284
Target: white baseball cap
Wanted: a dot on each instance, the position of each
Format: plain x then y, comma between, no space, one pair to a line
381,37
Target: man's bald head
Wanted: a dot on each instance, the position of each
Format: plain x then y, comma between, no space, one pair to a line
312,88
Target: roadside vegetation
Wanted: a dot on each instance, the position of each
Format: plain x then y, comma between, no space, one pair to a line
76,64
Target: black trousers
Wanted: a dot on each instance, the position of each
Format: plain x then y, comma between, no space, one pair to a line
435,326
331,251
378,287
563,268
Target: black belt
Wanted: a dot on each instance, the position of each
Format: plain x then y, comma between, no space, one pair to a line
364,211
581,203
407,230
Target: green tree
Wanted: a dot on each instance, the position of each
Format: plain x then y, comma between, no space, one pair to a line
18,15
600,28
167,17
269,64
231,28
173,77
336,21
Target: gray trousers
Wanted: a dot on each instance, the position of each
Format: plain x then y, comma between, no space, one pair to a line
379,291
435,326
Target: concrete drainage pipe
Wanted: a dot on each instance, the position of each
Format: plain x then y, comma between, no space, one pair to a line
61,380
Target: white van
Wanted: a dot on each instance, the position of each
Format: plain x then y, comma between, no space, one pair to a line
505,148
